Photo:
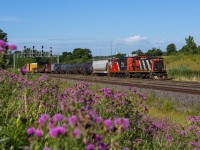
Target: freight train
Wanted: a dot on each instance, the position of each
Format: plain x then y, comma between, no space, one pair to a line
137,66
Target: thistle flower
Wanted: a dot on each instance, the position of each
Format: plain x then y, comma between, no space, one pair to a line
54,132
38,133
58,117
46,148
43,119
194,144
102,146
90,147
13,47
168,138
191,128
1,49
99,119
97,138
23,71
6,46
77,133
2,43
117,121
72,120
125,123
198,132
30,130
108,124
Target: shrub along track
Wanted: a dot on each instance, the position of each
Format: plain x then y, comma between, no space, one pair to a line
163,85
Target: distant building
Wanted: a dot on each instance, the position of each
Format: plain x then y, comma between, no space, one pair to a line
131,55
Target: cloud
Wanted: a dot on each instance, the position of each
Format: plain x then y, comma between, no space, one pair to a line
132,40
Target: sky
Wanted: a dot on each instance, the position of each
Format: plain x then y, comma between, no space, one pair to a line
103,26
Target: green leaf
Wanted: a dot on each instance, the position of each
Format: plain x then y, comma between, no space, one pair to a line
4,139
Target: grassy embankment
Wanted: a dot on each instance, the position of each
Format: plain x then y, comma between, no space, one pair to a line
183,67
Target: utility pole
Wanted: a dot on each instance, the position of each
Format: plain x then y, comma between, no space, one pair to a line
111,47
14,61
58,58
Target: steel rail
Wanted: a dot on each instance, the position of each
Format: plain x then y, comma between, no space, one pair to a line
162,87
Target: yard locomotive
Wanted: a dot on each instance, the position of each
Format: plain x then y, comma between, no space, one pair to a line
137,66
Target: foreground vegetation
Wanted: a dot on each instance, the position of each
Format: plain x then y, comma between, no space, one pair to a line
40,113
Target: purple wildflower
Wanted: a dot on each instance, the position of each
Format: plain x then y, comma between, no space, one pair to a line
38,133
13,47
99,119
157,125
77,133
30,130
58,117
90,147
125,148
43,119
108,123
183,133
102,146
46,148
2,43
6,46
23,71
61,130
125,123
72,120
168,138
194,144
135,89
1,49
117,121
92,114
97,138
191,128
54,132
51,126
128,88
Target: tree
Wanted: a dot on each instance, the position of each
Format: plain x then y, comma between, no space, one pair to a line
3,36
119,55
78,55
171,48
198,49
190,47
154,52
138,52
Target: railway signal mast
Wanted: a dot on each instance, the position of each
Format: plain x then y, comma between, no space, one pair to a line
32,53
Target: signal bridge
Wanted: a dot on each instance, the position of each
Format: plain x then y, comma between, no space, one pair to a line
32,53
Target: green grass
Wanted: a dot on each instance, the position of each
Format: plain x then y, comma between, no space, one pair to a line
171,110
183,67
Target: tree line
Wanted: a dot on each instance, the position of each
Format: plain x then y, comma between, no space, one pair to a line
189,48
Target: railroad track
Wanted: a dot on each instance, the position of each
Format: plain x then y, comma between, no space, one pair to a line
180,87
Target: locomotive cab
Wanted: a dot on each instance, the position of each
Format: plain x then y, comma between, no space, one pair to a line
158,68
118,67
146,67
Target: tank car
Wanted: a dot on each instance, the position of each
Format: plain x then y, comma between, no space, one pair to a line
101,67
56,68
